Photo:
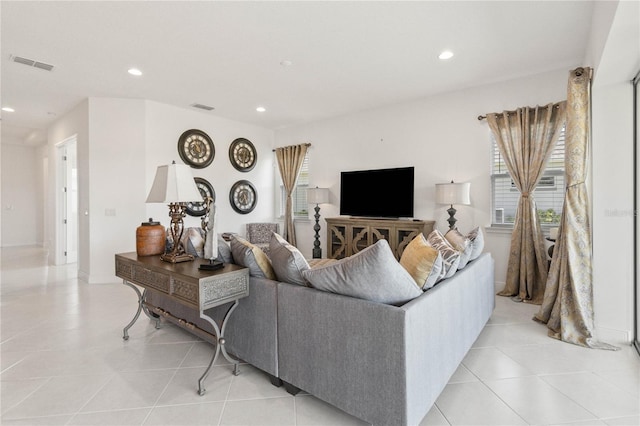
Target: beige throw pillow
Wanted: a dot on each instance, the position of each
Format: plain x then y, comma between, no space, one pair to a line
460,243
252,257
450,256
422,261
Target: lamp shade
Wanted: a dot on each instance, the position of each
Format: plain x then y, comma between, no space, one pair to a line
317,195
453,193
174,183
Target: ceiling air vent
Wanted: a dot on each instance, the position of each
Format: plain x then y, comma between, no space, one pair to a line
204,107
32,63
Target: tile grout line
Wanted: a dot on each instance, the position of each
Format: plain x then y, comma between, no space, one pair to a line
48,379
73,416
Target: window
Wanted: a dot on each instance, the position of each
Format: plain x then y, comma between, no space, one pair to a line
299,196
549,193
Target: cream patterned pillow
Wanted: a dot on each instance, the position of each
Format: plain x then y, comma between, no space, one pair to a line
422,261
287,261
371,274
476,236
252,257
460,243
450,256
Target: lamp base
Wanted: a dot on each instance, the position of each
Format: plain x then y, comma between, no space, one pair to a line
452,220
176,258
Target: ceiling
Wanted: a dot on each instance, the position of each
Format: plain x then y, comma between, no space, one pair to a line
343,56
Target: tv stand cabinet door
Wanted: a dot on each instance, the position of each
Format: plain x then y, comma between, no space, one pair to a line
337,245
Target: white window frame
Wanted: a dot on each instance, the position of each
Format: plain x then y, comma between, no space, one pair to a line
548,181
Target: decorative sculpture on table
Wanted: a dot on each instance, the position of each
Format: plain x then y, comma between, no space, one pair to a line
210,237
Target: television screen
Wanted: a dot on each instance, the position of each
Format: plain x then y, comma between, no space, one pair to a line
386,193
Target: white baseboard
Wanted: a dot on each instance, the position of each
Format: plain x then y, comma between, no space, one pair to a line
498,286
614,336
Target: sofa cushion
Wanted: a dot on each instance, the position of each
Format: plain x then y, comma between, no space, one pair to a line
248,255
287,261
422,261
476,236
372,274
450,256
460,243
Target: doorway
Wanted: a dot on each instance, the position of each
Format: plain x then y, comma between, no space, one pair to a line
67,202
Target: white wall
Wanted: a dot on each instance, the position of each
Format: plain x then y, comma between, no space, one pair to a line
613,218
165,124
117,176
21,195
440,136
75,122
120,144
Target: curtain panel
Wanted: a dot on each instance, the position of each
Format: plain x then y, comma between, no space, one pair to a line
290,159
567,308
526,138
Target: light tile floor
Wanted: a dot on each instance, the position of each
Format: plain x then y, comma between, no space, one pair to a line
63,361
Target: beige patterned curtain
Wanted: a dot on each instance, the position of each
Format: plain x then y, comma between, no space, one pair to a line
567,308
290,159
526,138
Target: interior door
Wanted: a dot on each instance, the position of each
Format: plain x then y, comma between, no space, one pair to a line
67,224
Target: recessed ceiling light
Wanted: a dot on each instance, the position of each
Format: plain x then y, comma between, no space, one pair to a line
286,63
447,54
8,109
135,71
261,109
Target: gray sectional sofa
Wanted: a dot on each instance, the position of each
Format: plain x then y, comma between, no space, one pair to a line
382,363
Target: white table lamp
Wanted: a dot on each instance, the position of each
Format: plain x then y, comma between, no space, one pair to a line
174,184
453,193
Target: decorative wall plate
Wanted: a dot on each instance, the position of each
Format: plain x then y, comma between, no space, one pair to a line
243,155
196,148
200,208
243,196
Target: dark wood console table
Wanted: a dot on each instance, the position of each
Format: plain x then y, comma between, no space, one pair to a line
347,235
188,285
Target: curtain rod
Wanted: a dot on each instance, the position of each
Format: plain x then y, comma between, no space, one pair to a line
483,117
307,144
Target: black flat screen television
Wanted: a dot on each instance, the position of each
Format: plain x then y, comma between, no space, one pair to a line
385,193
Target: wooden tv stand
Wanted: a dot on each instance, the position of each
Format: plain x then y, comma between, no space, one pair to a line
348,235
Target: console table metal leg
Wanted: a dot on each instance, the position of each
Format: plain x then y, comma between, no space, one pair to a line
141,308
220,347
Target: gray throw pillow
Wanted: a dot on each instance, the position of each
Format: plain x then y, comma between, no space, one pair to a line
224,251
372,274
287,261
